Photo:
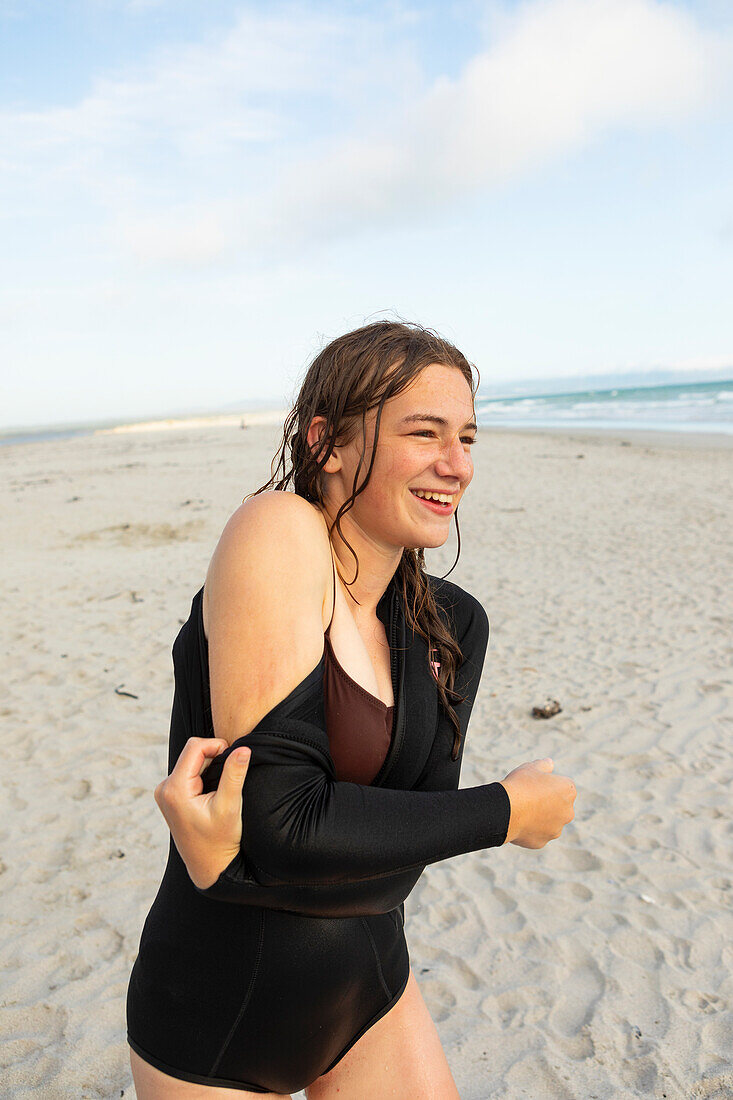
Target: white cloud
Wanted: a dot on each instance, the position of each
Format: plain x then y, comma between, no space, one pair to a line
196,114
205,153
558,74
562,70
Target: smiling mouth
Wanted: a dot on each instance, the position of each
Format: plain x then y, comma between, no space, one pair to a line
438,506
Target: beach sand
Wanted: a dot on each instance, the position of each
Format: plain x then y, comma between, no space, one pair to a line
597,968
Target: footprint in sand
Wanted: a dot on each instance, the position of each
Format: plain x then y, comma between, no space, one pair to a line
444,917
539,880
581,860
31,1027
439,959
69,969
715,1086
707,1003
639,1074
80,790
533,1076
141,534
518,1008
582,987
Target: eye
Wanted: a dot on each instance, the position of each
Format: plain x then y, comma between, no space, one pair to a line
428,431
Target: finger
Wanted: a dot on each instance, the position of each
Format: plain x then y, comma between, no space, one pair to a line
229,792
223,745
546,763
197,752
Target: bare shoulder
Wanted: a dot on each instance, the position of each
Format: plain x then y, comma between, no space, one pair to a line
276,525
264,596
287,511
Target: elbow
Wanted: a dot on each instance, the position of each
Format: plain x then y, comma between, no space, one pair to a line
279,854
289,834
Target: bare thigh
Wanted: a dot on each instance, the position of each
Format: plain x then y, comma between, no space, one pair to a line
400,1057
153,1084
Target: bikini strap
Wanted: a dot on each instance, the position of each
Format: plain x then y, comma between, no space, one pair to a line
333,566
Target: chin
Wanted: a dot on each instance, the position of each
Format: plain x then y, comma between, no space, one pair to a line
433,544
428,544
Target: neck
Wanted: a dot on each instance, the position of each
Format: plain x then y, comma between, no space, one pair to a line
376,569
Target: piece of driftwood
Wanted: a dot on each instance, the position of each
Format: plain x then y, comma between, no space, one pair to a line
550,708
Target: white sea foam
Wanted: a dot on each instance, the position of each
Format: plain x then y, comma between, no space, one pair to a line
700,407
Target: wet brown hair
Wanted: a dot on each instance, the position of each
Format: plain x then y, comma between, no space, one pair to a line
353,374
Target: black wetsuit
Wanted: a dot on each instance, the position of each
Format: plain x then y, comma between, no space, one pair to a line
266,979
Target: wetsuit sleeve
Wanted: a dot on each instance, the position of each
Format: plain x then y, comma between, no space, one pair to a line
310,838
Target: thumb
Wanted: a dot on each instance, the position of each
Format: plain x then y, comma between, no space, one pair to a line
233,773
546,764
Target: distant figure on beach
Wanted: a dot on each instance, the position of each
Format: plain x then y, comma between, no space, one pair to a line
321,661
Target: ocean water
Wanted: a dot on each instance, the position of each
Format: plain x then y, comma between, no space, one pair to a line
39,435
693,407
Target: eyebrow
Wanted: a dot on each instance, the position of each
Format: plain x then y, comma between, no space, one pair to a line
441,421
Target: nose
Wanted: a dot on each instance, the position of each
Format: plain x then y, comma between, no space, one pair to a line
455,462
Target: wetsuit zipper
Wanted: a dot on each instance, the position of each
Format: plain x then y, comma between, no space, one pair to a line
388,763
392,654
398,914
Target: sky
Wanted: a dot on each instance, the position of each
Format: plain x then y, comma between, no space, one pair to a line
196,196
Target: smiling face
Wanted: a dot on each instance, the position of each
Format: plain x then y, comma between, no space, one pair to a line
414,452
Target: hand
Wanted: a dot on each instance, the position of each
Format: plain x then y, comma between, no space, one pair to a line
206,828
541,803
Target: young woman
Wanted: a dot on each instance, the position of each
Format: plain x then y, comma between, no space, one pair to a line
274,957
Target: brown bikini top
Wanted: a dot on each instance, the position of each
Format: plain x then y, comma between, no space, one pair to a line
358,724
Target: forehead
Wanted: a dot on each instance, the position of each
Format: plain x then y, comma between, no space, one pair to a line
437,389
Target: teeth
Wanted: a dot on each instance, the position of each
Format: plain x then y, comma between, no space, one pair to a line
444,498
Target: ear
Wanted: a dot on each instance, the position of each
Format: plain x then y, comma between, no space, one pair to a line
315,431
315,434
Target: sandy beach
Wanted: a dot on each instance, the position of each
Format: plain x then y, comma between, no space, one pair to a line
598,968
